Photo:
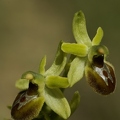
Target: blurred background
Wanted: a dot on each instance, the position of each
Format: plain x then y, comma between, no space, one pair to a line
30,29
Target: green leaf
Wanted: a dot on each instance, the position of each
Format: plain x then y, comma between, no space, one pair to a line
80,50
79,29
42,65
57,102
57,82
98,37
76,70
75,102
58,64
22,84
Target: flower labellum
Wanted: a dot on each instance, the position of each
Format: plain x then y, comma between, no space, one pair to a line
100,74
27,104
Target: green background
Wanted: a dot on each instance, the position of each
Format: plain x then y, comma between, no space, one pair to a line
30,29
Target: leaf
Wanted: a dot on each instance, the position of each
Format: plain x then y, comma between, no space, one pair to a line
58,64
22,84
79,29
76,70
57,82
75,102
80,50
98,37
42,65
57,102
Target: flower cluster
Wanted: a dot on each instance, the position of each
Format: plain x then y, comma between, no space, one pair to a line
90,58
42,93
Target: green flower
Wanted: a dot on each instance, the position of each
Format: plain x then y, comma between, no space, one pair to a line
89,57
48,91
42,93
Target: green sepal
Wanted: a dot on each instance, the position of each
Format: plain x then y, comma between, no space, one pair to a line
75,102
58,64
42,65
76,70
79,29
57,82
57,102
22,84
98,37
80,50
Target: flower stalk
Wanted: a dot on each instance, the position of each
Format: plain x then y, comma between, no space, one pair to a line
42,93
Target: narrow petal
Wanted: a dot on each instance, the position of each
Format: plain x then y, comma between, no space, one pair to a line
98,37
57,82
80,50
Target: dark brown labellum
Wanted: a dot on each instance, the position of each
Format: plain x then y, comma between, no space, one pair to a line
25,106
100,75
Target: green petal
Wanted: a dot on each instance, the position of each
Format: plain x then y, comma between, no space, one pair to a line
98,37
57,82
75,102
22,84
58,64
79,29
57,102
76,70
75,49
42,65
